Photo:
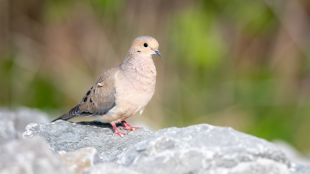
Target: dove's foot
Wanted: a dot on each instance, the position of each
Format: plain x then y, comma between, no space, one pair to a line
128,127
116,131
119,133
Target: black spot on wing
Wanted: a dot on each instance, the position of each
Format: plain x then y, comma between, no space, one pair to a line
86,113
85,99
88,93
90,100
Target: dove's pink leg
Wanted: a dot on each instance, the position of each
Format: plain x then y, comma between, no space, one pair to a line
128,127
116,131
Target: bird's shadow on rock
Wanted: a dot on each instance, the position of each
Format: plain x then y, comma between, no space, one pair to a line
100,124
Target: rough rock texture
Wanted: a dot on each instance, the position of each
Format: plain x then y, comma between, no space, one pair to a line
30,156
109,168
292,153
63,136
203,149
7,130
260,166
78,160
22,117
197,149
300,169
12,124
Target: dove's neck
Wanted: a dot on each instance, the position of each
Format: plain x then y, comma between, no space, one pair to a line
140,64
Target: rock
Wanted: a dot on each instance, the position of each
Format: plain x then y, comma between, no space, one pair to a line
109,168
22,117
260,166
204,149
12,124
7,131
78,160
65,136
292,153
300,169
201,149
31,156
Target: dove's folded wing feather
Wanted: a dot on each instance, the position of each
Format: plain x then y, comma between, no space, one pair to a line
98,100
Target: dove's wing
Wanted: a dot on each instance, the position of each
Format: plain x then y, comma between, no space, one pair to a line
98,100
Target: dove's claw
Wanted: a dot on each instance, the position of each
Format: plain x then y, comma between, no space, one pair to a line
131,128
119,133
116,131
128,127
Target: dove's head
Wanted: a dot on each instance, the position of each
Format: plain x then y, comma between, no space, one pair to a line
145,45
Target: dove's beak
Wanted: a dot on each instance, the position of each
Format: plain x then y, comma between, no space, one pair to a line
158,53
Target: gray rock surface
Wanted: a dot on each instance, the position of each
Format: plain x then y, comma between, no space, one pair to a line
260,166
31,156
300,169
292,153
7,131
22,117
201,149
109,168
196,149
63,136
204,149
12,124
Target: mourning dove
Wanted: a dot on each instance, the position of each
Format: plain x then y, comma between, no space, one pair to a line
122,91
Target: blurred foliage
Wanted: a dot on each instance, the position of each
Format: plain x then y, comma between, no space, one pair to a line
242,64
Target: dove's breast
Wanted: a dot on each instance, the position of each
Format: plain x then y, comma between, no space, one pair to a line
133,92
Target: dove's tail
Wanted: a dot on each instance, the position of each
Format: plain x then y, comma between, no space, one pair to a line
64,117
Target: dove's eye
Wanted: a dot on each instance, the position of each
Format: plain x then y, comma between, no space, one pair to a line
145,45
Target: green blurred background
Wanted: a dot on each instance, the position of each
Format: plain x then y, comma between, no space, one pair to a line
242,64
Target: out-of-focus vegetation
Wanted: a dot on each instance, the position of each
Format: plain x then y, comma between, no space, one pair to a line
243,64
